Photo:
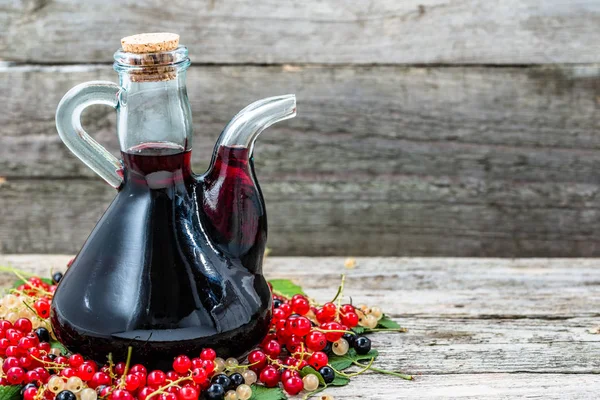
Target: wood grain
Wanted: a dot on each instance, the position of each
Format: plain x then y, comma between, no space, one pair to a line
380,160
311,31
511,339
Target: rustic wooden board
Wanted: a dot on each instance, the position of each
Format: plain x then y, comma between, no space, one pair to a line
311,31
436,161
511,339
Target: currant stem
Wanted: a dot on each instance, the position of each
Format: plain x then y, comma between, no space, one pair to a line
161,390
383,371
365,369
126,370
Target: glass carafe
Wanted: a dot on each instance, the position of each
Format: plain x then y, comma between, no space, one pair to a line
175,262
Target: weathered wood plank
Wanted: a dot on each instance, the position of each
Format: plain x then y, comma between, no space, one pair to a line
380,31
386,160
519,124
452,355
487,289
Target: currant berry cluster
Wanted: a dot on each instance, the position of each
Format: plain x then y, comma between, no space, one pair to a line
30,300
301,335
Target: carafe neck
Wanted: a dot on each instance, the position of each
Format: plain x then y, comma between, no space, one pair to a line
154,110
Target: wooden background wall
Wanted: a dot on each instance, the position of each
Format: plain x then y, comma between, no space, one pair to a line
429,127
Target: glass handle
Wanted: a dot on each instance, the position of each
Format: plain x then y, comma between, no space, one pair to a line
68,124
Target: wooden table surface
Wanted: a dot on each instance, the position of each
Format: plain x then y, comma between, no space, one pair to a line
477,328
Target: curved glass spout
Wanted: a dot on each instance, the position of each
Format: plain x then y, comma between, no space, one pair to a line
245,127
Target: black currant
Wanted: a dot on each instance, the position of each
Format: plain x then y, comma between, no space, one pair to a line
24,388
236,380
277,303
57,277
350,338
100,388
215,392
327,374
327,350
43,334
362,345
222,380
66,395
52,356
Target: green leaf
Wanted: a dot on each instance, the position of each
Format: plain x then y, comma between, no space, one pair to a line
387,323
286,287
359,329
265,393
342,362
57,345
310,370
339,380
10,392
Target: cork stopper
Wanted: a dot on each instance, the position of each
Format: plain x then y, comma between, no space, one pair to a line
154,53
150,42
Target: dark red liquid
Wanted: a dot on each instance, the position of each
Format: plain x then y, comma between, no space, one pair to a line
173,266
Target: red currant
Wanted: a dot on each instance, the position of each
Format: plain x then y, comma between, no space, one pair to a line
25,362
300,306
99,379
86,371
288,373
61,360
24,325
120,368
257,360
75,360
42,307
329,309
156,378
199,375
4,324
13,351
144,392
121,394
182,364
333,326
9,363
322,317
196,362
279,314
316,341
300,326
15,375
132,382
269,376
68,372
4,343
30,393
32,377
294,344
26,343
13,336
208,354
286,308
188,393
347,308
349,319
293,385
209,366
272,349
138,368
44,346
318,360
171,376
43,373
